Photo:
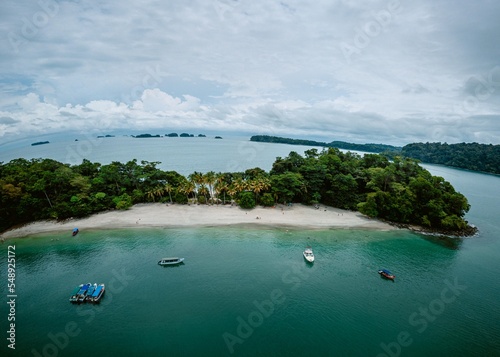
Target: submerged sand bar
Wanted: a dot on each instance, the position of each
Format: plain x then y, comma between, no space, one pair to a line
162,215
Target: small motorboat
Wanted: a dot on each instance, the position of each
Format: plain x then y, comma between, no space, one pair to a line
83,292
75,232
74,294
97,294
308,255
170,261
90,291
386,274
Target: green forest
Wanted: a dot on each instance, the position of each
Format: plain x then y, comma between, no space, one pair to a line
470,156
398,191
334,144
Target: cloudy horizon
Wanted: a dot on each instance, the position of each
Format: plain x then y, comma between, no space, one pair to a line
367,71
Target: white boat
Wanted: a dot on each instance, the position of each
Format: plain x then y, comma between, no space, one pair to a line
170,261
308,255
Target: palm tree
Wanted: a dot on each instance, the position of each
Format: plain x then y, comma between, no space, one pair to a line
221,187
209,180
168,188
203,190
159,191
186,187
197,179
151,194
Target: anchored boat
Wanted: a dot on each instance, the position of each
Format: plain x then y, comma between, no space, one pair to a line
82,292
309,255
170,261
97,294
386,274
74,294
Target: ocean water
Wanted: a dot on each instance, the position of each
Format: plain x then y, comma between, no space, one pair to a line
249,292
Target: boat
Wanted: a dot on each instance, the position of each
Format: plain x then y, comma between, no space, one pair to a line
97,293
75,231
170,261
386,274
82,292
308,255
74,294
90,291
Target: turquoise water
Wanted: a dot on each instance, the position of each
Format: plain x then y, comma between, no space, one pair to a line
250,292
339,305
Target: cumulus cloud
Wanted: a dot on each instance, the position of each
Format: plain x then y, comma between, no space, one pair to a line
374,71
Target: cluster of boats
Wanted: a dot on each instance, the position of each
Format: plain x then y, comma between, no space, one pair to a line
87,293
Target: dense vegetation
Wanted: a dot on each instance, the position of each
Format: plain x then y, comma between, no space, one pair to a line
471,156
334,144
398,191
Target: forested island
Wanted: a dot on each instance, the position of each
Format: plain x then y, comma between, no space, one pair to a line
469,156
40,143
376,148
398,191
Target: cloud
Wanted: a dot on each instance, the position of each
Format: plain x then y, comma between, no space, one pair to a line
414,72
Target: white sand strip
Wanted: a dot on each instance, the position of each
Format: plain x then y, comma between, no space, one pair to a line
162,215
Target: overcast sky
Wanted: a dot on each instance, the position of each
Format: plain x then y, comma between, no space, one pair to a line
357,70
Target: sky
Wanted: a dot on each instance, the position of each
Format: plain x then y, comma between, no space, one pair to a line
383,71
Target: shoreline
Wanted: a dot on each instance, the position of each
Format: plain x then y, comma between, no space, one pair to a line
162,215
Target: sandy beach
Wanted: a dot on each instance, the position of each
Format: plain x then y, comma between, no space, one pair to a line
162,215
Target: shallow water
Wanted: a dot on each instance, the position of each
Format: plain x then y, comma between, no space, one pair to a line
339,305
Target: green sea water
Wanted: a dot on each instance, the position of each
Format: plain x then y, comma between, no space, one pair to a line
250,292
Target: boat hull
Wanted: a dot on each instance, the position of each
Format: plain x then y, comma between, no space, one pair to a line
170,261
386,275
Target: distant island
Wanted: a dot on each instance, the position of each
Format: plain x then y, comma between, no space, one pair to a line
186,135
376,148
172,135
140,136
105,136
40,143
218,137
469,156
202,136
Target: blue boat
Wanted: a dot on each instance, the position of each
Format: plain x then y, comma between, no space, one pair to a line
83,292
97,294
74,294
75,232
386,274
90,291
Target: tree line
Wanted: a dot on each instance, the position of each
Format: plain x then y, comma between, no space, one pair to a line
398,191
334,144
470,156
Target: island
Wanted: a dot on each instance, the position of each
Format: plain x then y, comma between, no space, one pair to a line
186,135
377,148
172,135
218,137
399,192
40,143
202,136
470,156
140,136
